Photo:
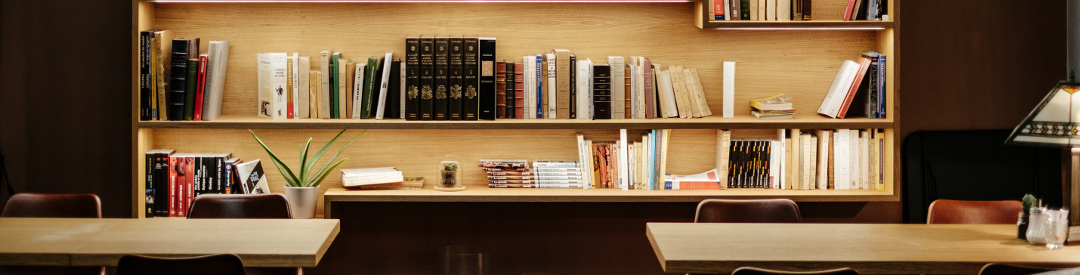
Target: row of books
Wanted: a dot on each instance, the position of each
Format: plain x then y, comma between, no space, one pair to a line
795,10
815,159
173,180
290,89
176,80
517,173
858,89
627,163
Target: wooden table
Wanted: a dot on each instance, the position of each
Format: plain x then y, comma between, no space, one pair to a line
868,248
101,242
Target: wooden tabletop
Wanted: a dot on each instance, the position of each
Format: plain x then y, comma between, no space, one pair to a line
101,242
867,248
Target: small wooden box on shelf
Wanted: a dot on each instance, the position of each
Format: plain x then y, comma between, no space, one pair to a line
796,62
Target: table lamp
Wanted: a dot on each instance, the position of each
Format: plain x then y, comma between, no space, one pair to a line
1056,122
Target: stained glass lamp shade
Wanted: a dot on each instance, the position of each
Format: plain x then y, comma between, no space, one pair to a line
1055,121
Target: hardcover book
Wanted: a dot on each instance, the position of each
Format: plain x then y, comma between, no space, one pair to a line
500,89
618,86
385,72
510,90
178,79
427,78
470,78
441,79
161,52
562,83
324,85
200,87
551,103
218,57
412,78
372,87
519,91
601,91
456,62
573,87
192,85
487,79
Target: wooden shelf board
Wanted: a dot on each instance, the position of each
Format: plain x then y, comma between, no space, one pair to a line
480,193
739,122
824,24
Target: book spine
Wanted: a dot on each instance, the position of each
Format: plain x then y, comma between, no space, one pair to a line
519,91
395,93
190,89
487,79
200,87
151,191
539,83
179,76
573,75
290,90
215,78
470,78
511,95
441,79
561,84
427,78
174,174
412,78
500,89
601,92
882,93
455,79
729,89
324,84
372,79
386,69
618,92
718,9
650,89
144,75
357,89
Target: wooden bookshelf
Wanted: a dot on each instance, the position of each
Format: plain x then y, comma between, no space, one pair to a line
795,62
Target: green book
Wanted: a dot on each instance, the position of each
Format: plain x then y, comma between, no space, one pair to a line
189,91
335,112
367,110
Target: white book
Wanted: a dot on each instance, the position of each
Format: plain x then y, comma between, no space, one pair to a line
647,160
754,15
342,81
682,98
552,89
623,161
824,142
618,86
265,68
864,160
639,83
294,93
780,148
807,162
666,94
634,91
723,155
384,85
324,93
401,92
841,159
783,10
728,108
218,56
838,91
853,166
814,183
529,63
584,160
701,106
357,90
770,10
775,159
279,81
584,89
305,87
251,172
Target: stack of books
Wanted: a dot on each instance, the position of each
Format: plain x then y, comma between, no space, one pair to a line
516,173
379,178
773,107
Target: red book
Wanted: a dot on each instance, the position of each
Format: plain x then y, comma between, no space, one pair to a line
519,91
189,185
175,175
864,64
200,87
500,89
849,11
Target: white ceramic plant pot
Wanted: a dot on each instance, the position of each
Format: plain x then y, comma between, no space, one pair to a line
302,201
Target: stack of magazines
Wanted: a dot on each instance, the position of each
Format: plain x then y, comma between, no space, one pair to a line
516,173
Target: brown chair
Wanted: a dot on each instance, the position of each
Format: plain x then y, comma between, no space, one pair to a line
1008,269
220,264
944,211
748,211
32,205
236,206
761,271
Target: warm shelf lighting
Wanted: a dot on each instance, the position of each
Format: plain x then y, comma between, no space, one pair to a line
801,28
422,1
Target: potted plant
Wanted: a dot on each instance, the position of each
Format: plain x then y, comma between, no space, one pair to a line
302,189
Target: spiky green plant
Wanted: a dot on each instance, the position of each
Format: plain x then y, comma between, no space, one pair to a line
1029,201
305,178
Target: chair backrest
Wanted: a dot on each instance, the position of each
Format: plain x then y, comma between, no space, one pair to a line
53,206
746,270
1008,269
222,206
220,264
944,211
748,211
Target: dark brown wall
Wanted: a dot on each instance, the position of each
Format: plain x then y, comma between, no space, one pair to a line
65,98
65,74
